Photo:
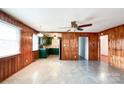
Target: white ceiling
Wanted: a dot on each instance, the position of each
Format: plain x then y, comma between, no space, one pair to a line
52,19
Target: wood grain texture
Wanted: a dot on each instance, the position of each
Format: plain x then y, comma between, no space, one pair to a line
35,55
70,45
93,46
116,46
10,65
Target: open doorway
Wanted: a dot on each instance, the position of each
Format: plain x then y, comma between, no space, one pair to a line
104,48
83,48
50,45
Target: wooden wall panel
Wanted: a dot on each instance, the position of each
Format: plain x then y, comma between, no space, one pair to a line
8,66
26,48
70,45
12,64
116,46
93,46
35,55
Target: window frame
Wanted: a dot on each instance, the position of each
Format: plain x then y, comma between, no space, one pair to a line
33,42
19,29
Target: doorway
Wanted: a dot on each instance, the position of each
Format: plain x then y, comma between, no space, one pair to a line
104,48
83,48
50,45
60,48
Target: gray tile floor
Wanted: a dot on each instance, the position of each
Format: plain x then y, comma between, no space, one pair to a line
54,71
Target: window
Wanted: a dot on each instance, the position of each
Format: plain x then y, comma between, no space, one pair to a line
9,39
35,42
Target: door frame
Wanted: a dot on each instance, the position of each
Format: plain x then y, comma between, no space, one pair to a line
78,45
99,47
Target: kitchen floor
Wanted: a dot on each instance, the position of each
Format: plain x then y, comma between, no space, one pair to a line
55,71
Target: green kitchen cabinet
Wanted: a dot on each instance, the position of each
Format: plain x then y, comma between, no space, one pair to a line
56,51
43,52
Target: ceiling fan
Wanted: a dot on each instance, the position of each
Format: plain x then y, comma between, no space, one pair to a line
75,26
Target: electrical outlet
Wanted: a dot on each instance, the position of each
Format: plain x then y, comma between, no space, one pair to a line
26,60
64,45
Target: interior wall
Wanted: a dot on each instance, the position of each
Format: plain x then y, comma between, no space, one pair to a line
55,43
70,45
115,45
55,40
12,64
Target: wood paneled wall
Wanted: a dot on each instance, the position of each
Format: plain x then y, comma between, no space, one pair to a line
70,45
116,46
93,46
10,65
35,55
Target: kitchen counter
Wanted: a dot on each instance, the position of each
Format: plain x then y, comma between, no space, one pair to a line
45,52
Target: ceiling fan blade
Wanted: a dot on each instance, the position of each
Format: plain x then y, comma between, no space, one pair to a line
85,25
68,30
80,29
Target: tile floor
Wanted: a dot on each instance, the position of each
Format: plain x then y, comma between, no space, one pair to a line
54,71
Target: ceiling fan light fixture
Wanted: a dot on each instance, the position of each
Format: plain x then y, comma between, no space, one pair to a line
40,35
73,29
